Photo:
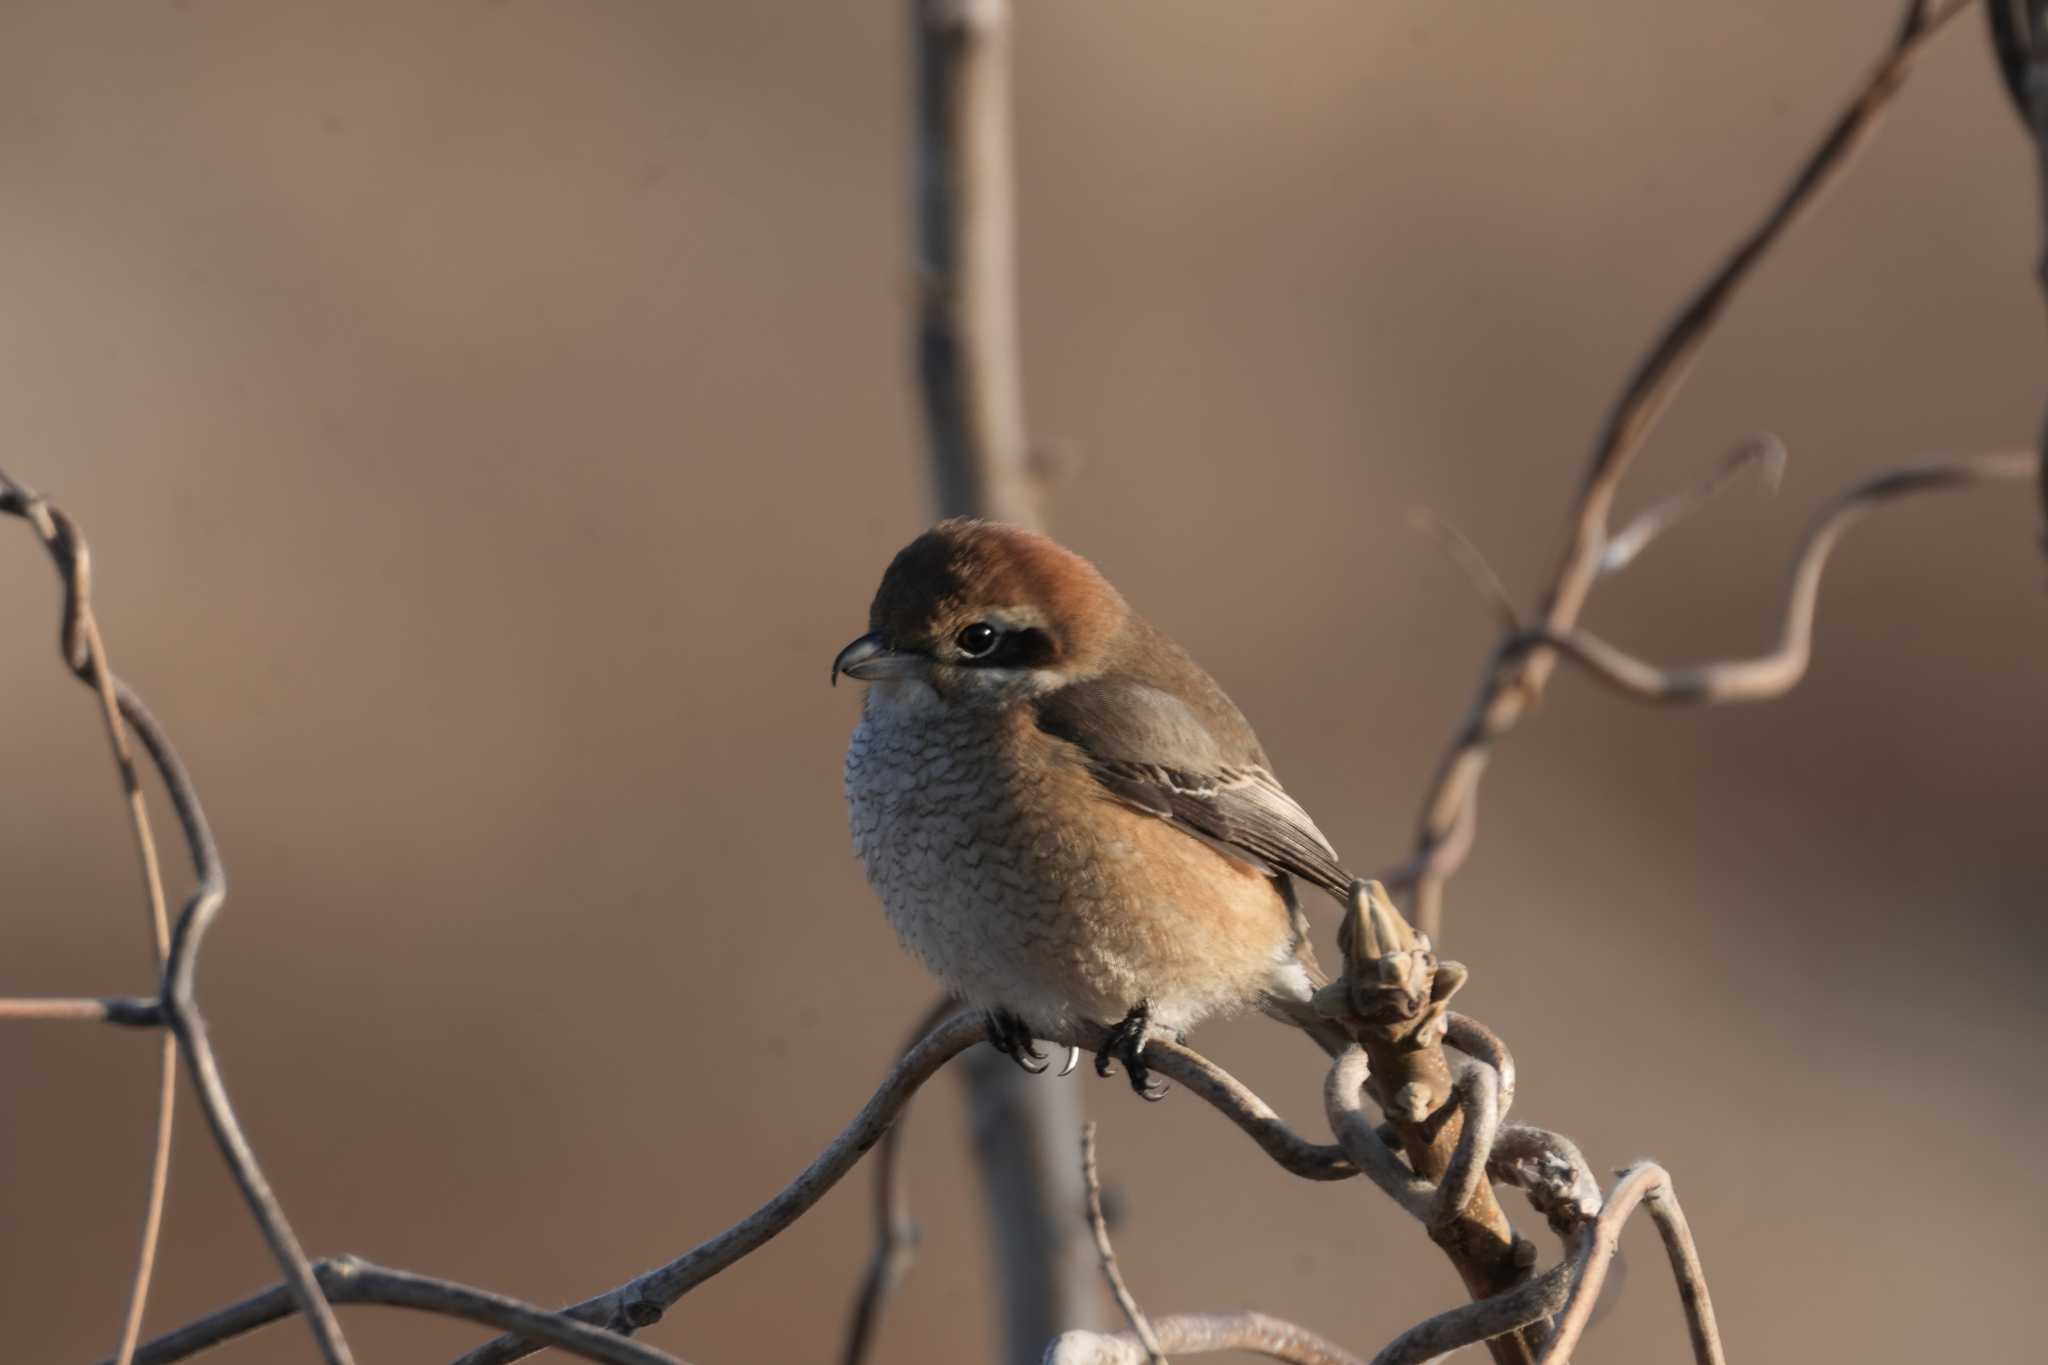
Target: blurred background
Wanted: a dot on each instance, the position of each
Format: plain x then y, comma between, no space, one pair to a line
490,419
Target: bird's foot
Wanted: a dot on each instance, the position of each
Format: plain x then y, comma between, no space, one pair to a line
1126,1044
1011,1036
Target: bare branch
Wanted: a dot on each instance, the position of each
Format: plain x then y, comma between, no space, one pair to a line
2019,39
1478,1097
347,1279
1472,561
1481,1043
1763,451
1099,1226
969,376
896,1232
1774,674
129,1011
1504,694
1550,1169
1524,1306
1200,1334
159,1190
84,653
643,1300
1644,1181
1343,1098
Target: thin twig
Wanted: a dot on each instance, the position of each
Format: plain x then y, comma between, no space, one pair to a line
1358,1135
1200,1334
641,1301
1646,1180
896,1232
1524,1306
645,1298
83,652
347,1279
1504,695
1472,561
129,1011
1772,675
1099,1226
1763,451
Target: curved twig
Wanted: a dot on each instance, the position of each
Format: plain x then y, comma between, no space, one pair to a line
1343,1099
1774,674
1550,1169
1199,1334
1644,1181
1098,1226
642,1300
1505,694
896,1232
1468,1324
1472,561
177,950
348,1279
1481,1043
1477,1093
1762,450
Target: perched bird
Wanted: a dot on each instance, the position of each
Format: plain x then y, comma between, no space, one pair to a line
1064,816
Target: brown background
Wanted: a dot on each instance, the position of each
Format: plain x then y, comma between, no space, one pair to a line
491,418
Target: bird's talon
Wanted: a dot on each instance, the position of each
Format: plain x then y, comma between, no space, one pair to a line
1011,1036
1073,1060
1126,1043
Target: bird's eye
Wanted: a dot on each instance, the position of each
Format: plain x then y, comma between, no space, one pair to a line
977,639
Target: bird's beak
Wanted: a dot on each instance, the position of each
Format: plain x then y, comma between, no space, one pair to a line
872,661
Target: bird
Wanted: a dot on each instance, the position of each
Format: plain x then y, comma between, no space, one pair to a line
1065,818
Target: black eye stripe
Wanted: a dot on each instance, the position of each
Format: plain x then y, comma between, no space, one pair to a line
1028,647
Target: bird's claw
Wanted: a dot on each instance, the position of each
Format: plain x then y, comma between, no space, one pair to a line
1073,1060
1011,1036
1126,1044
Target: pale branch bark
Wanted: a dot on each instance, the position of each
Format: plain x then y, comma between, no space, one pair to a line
896,1231
644,1299
1472,562
2019,39
1504,695
1523,1307
1191,1334
350,1280
1098,1226
971,391
129,1011
1772,675
1646,1182
970,380
1763,452
85,651
178,949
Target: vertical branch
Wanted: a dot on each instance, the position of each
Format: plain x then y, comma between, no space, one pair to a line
973,404
968,373
2019,39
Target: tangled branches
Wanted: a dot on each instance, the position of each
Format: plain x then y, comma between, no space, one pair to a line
1443,1148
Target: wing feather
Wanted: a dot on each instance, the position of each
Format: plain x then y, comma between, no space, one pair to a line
1152,752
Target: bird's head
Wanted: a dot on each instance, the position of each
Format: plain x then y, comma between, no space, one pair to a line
979,613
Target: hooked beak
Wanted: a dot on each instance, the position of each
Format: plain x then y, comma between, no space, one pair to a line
869,660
